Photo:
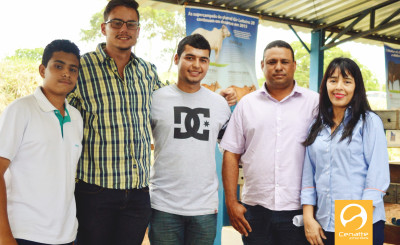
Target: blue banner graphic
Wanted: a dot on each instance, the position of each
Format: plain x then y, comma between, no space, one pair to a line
232,38
392,64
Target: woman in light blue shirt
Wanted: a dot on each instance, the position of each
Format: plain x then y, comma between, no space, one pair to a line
346,155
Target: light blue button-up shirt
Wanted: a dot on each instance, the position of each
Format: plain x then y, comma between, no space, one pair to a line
336,170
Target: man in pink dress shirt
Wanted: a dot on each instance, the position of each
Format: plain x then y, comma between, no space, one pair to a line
265,135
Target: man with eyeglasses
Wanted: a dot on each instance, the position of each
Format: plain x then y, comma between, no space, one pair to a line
113,94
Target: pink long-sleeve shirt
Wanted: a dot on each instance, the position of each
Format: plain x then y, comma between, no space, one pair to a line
268,134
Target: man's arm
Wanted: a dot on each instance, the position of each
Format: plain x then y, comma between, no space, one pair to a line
230,172
6,236
230,95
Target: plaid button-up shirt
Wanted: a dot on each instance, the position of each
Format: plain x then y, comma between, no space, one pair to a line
116,115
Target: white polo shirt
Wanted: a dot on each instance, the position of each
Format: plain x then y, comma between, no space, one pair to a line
40,201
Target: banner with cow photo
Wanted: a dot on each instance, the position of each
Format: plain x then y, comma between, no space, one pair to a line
232,38
392,62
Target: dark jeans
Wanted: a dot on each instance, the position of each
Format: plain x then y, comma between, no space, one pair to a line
108,216
26,242
273,227
377,234
173,229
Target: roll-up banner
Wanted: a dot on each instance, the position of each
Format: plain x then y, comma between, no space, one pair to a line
232,38
392,64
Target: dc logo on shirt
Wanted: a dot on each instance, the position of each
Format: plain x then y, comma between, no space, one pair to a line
191,123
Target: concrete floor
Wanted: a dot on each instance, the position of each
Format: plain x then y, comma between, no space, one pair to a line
230,236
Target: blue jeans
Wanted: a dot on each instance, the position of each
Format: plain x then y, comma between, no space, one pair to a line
378,234
26,242
171,229
273,227
109,216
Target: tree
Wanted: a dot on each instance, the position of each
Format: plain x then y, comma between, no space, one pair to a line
302,57
169,26
19,75
156,23
29,54
93,33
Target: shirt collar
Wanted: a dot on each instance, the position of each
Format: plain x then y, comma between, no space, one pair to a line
63,119
346,118
347,114
44,104
67,117
296,90
101,53
103,56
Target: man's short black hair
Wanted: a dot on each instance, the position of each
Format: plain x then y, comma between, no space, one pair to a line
195,41
116,3
279,44
59,45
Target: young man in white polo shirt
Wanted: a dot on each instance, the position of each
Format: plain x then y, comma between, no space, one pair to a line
40,145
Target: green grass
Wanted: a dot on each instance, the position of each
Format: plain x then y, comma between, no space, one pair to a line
18,78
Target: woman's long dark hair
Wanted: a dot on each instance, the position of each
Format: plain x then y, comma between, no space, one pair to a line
359,103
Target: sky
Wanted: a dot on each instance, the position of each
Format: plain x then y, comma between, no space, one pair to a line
34,23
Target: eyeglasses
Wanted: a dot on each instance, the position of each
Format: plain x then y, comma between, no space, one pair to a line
130,24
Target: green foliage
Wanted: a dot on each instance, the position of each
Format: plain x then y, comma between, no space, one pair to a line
161,23
302,57
28,54
93,32
165,25
260,81
18,77
303,66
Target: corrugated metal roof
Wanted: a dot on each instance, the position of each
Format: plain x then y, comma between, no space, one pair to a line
377,20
